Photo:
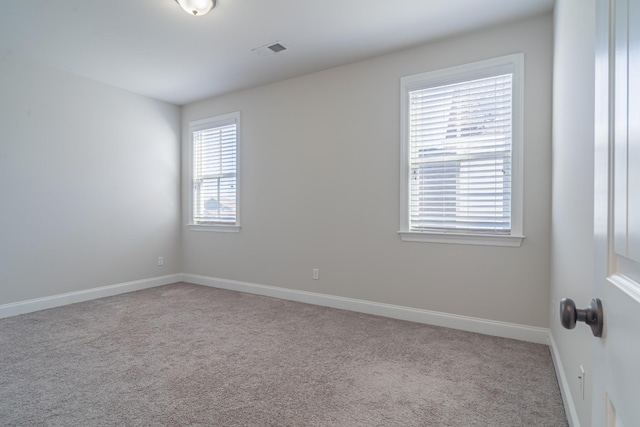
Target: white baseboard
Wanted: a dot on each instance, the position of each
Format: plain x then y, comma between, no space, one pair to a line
22,307
472,324
565,391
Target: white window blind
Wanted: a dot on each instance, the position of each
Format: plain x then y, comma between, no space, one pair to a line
460,156
215,173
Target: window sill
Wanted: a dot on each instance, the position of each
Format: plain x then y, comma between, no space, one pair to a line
462,239
215,227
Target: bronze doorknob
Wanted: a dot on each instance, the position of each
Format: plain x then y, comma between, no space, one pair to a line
592,315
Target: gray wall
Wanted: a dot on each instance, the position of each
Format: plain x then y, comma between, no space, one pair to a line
89,183
572,219
320,170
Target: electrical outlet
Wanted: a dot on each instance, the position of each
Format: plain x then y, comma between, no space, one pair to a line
581,379
315,274
160,260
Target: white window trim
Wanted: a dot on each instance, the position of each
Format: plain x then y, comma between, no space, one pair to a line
450,75
203,124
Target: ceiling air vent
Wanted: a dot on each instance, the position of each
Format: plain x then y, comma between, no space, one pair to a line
270,48
277,47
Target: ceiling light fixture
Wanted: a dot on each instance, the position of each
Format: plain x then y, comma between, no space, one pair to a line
197,7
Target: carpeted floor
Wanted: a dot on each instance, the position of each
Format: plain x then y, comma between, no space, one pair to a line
190,355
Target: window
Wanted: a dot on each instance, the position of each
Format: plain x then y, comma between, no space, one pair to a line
214,168
462,154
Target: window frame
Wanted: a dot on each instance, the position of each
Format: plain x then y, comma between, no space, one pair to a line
206,123
471,71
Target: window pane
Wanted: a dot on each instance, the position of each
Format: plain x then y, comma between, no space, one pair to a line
460,156
214,174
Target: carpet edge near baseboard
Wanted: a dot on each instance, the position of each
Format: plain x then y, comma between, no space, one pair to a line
472,324
52,301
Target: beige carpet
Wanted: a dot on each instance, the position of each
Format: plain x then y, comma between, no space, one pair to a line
190,355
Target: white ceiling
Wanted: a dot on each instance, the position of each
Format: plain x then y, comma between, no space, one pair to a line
152,47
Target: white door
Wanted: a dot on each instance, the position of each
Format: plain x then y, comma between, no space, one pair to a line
616,387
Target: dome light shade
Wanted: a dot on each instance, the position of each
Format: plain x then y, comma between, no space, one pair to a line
197,7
